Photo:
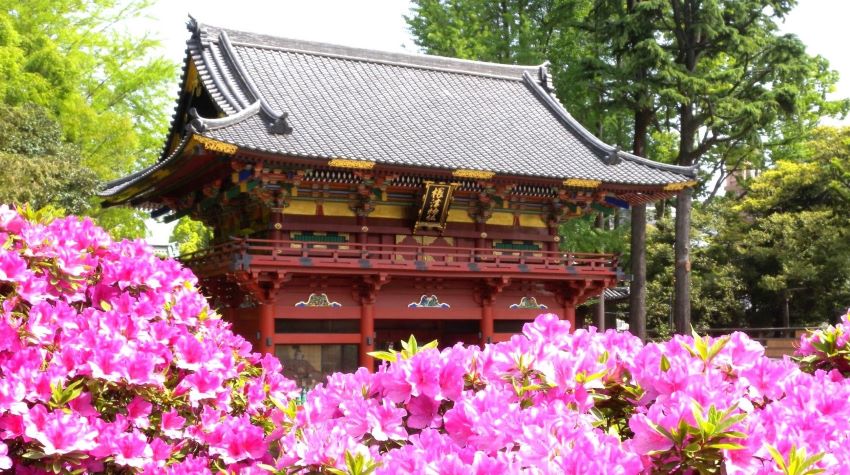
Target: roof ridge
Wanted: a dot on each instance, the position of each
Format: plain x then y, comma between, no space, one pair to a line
595,141
203,124
279,122
406,59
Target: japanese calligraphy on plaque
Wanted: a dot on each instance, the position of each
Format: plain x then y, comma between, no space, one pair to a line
435,206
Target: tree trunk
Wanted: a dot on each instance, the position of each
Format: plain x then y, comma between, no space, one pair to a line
687,42
599,313
681,249
599,307
637,287
682,274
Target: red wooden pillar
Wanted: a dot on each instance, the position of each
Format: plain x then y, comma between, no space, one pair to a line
266,329
570,314
277,224
367,333
487,321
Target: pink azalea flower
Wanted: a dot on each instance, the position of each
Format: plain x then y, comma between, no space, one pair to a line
423,413
138,412
12,267
172,424
59,432
237,439
132,449
5,461
189,353
202,384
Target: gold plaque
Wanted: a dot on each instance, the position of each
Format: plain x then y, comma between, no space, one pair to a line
435,205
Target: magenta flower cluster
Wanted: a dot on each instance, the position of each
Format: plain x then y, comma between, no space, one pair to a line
551,402
112,361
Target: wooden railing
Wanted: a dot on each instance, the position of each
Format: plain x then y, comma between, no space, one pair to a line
240,254
761,333
756,333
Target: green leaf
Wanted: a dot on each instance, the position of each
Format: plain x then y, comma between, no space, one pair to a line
390,356
726,446
430,345
778,458
717,347
665,363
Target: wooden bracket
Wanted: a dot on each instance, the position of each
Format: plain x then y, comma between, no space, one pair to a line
490,288
366,291
262,287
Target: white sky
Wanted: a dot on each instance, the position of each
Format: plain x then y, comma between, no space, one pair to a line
378,24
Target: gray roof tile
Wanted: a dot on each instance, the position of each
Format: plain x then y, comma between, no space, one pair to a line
402,109
413,110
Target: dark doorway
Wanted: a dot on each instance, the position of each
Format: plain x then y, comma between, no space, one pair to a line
446,332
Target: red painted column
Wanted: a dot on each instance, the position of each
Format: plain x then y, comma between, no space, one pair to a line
266,329
487,321
570,314
367,334
277,225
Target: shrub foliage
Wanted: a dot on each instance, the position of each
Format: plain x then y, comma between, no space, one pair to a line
111,361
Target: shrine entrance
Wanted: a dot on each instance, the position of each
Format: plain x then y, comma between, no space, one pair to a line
390,332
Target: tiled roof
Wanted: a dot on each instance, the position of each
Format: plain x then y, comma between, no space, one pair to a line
401,109
616,293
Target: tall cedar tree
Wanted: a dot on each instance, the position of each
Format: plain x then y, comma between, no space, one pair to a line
735,87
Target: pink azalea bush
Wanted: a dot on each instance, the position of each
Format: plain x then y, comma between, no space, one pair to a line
827,348
551,402
111,361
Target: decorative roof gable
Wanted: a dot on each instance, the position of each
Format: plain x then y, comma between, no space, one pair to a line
318,101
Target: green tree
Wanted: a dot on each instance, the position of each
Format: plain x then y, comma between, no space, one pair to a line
582,235
106,88
191,235
37,166
788,235
735,88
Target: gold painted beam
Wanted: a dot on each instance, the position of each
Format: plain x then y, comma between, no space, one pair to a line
475,174
582,183
349,163
214,145
679,186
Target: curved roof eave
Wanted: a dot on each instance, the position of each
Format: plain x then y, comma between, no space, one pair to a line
559,110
